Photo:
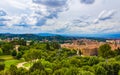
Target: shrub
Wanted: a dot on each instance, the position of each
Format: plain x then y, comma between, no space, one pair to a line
2,66
14,53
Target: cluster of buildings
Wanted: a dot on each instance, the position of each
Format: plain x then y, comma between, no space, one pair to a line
86,46
89,47
10,39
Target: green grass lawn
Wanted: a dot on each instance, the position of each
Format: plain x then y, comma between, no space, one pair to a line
6,57
9,60
28,64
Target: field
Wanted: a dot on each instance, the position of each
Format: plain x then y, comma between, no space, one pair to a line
9,60
6,57
28,64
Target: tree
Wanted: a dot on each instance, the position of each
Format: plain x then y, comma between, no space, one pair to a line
37,66
23,48
1,52
13,70
32,55
72,71
85,73
38,72
2,66
71,52
116,67
14,53
93,60
19,55
59,72
55,45
48,71
117,51
47,46
119,72
104,51
108,67
117,58
22,71
1,43
88,68
7,48
22,42
18,42
74,62
99,70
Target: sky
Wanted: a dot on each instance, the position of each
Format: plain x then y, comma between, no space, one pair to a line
60,16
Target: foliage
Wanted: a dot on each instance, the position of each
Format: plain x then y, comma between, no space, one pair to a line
22,71
48,46
7,48
99,70
2,66
1,52
19,55
49,59
37,66
14,53
32,55
117,51
23,48
86,73
117,58
59,72
104,51
119,72
13,70
37,72
18,42
8,63
6,57
93,60
72,71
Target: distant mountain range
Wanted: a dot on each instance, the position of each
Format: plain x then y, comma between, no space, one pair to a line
47,34
107,36
51,36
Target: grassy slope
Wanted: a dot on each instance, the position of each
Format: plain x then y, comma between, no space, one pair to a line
6,57
9,60
28,64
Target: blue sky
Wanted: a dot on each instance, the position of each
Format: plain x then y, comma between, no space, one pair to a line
60,16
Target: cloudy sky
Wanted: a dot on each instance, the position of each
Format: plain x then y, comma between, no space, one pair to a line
60,16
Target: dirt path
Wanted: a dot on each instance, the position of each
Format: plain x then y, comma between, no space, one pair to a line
22,65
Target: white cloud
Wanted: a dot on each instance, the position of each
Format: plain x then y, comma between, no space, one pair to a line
60,16
105,15
87,1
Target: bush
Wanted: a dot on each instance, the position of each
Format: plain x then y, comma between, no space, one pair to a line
99,70
119,72
58,72
72,71
23,48
117,58
85,73
6,48
14,53
13,70
1,52
19,55
93,60
22,71
2,66
37,66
